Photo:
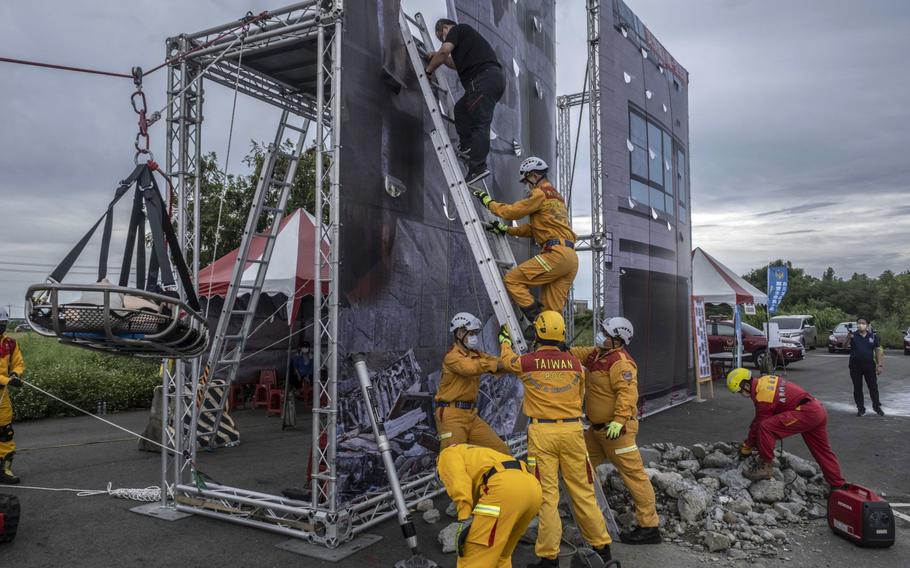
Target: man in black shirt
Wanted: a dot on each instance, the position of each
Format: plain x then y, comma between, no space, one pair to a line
466,51
866,357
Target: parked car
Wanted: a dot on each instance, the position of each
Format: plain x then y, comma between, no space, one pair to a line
907,342
798,327
755,344
839,336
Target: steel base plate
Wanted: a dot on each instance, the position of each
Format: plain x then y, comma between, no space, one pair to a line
159,512
330,554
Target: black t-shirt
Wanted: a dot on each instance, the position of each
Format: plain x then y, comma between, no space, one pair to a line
472,53
862,349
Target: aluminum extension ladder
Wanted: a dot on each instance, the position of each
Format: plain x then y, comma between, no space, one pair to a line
267,210
492,252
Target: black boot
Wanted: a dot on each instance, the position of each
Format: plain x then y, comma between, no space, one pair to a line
545,563
604,553
6,470
641,535
531,312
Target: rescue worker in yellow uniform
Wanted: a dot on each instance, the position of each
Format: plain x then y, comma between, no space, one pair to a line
554,268
496,499
611,404
554,388
457,421
11,366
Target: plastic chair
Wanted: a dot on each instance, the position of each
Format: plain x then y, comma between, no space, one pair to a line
268,382
276,402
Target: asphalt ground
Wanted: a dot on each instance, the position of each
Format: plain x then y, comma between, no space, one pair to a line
62,529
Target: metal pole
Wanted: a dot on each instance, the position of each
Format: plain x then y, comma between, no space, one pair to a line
597,231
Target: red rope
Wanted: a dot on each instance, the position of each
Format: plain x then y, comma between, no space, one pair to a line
64,67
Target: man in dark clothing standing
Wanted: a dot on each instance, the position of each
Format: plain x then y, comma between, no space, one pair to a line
866,358
466,51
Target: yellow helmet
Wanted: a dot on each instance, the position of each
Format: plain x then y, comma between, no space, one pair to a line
736,377
550,325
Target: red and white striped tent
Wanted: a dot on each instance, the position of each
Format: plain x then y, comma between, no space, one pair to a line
717,284
291,268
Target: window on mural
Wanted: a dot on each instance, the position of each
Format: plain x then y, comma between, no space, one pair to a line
654,166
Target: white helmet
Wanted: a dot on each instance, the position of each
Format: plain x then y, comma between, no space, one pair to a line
532,164
619,328
4,315
466,321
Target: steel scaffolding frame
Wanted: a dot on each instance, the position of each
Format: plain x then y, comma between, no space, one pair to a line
213,55
599,242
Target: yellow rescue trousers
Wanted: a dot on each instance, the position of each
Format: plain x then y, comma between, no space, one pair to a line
7,444
553,270
555,448
623,453
462,426
508,503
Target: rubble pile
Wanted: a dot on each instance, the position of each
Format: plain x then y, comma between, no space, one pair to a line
706,503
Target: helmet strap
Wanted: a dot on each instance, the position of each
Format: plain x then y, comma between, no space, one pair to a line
550,342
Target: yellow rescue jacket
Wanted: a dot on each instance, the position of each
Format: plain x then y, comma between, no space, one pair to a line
549,218
612,384
461,468
554,381
11,360
460,376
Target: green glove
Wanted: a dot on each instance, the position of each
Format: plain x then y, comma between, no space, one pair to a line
505,336
497,227
461,536
614,429
484,197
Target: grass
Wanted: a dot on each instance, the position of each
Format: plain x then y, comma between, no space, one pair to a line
81,377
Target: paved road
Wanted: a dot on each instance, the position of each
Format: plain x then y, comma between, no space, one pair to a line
61,529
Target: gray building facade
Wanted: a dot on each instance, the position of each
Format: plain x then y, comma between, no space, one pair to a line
647,200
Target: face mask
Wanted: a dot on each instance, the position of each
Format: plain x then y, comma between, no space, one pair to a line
600,339
471,341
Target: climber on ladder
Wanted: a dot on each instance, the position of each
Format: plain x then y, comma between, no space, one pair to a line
466,51
555,267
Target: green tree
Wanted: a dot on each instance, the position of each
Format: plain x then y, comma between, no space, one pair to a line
231,197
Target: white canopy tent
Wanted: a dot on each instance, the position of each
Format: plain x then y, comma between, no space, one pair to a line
717,284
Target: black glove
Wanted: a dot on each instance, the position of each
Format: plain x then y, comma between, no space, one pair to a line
462,536
14,380
497,227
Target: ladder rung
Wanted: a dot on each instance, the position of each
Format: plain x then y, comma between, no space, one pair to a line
295,128
233,337
228,361
279,183
257,261
271,209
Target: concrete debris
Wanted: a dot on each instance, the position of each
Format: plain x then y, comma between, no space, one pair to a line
447,537
706,504
425,505
452,510
432,516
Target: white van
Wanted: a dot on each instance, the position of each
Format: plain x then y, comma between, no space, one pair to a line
798,327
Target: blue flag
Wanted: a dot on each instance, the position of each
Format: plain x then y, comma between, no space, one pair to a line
777,286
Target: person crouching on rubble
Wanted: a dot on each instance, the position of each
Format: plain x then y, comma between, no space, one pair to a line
783,408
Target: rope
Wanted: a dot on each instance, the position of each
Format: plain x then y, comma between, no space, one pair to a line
96,417
64,67
269,346
224,176
148,494
584,87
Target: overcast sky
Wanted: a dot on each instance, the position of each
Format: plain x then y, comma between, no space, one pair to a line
798,115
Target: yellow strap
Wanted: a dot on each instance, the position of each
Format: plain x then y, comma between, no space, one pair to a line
625,450
532,462
488,510
445,435
542,262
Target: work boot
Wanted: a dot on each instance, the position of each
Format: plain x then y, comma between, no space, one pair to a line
765,470
6,470
604,553
861,412
641,535
878,410
476,174
545,563
530,313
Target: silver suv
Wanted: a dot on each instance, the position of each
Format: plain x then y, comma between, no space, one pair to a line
798,327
